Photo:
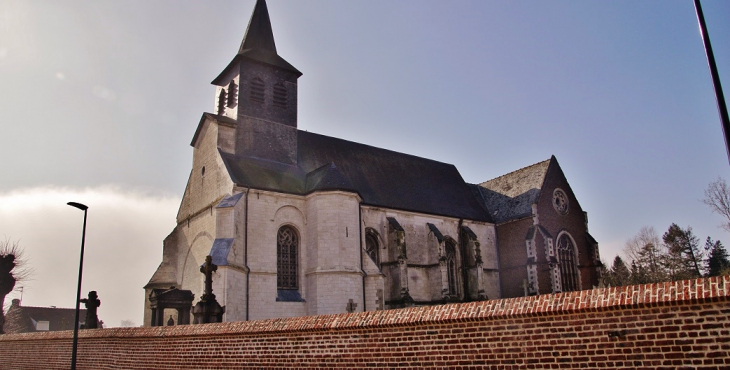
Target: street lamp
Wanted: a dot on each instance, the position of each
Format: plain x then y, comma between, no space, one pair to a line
78,291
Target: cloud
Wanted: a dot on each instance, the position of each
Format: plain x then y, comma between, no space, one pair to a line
104,93
60,76
125,229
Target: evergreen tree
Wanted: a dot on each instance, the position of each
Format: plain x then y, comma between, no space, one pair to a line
638,274
684,255
717,261
619,274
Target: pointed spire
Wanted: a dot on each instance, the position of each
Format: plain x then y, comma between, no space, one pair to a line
258,33
258,44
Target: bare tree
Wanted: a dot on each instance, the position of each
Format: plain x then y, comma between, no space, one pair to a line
13,269
717,197
647,254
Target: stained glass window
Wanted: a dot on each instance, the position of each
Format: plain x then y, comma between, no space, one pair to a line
287,247
566,258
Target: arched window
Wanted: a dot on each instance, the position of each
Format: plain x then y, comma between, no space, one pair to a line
287,261
256,92
451,269
372,246
232,94
567,261
222,102
280,95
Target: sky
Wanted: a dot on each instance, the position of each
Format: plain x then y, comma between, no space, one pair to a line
99,101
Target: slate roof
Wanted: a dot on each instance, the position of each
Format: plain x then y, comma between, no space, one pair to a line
20,319
510,196
258,43
381,177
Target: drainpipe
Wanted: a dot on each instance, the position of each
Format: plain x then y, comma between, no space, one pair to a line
362,268
245,249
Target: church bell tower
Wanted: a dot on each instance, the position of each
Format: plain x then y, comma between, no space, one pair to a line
258,89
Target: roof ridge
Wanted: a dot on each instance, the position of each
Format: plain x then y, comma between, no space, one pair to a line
378,148
517,170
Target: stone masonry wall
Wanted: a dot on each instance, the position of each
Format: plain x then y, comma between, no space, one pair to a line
659,326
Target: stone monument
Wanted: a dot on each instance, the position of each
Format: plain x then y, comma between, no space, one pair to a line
208,310
92,303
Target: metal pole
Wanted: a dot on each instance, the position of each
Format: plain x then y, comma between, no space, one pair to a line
78,290
721,107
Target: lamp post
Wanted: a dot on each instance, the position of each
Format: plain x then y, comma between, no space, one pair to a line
719,96
78,290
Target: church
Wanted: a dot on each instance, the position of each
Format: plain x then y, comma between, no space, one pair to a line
303,224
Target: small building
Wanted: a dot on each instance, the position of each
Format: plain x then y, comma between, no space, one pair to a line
20,319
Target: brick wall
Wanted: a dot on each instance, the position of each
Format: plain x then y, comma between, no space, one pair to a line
681,324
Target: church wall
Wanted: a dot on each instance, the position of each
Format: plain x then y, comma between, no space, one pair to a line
374,278
333,270
199,236
424,275
229,286
486,234
573,222
513,256
209,181
196,228
374,292
268,212
263,139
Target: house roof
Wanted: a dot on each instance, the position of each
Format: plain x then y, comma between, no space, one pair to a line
511,196
381,177
23,319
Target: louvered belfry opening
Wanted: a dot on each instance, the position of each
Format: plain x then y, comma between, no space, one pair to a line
232,94
222,102
257,90
287,245
566,256
280,95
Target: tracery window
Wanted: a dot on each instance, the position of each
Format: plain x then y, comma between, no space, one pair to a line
451,269
280,95
257,90
567,263
287,248
372,246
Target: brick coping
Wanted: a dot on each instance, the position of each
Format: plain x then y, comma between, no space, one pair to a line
668,293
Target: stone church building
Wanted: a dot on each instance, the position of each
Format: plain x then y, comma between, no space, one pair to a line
300,223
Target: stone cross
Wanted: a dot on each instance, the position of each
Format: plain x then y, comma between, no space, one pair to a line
208,269
351,306
91,303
